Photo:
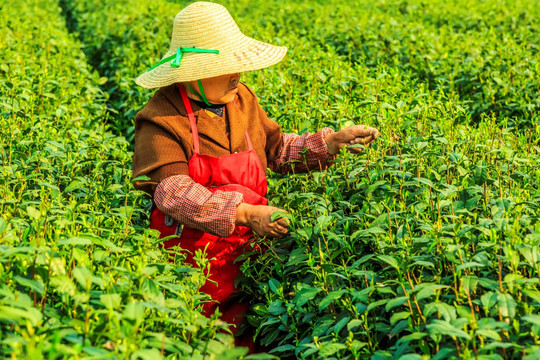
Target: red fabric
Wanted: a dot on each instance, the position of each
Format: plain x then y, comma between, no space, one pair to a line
239,172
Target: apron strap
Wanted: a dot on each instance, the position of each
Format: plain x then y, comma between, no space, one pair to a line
250,146
191,117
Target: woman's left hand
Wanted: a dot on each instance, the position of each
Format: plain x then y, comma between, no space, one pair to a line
357,134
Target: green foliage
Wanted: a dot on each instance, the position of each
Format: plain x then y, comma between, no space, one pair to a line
122,39
477,59
420,246
480,56
409,249
81,274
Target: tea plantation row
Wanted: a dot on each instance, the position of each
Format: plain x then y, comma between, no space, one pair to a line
78,277
480,55
427,247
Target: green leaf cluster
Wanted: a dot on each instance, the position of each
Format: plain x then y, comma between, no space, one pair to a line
81,275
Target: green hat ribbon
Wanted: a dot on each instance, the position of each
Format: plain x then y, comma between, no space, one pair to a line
203,95
179,54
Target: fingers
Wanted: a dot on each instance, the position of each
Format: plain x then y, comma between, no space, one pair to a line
283,222
277,233
362,140
262,224
355,150
279,227
362,131
357,134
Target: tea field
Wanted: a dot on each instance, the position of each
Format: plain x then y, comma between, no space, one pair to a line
426,246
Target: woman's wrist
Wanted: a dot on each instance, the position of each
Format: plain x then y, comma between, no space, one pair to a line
242,214
330,143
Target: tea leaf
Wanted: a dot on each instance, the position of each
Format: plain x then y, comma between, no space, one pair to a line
33,212
276,215
111,300
468,265
396,302
305,294
274,285
74,240
439,327
480,173
426,290
402,315
532,318
330,298
390,260
341,324
507,305
20,316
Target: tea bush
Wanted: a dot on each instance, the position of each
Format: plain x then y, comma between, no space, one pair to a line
79,276
428,247
121,39
482,54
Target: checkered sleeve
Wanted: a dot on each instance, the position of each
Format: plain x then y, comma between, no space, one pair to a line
195,206
302,153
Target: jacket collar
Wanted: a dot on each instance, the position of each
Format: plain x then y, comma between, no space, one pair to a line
172,93
238,120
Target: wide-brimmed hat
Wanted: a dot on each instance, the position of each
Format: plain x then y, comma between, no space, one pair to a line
206,42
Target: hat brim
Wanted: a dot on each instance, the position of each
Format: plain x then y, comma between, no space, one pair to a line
245,55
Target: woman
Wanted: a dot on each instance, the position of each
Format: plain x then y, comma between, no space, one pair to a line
204,142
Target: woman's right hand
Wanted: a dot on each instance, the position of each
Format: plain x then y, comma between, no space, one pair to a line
257,217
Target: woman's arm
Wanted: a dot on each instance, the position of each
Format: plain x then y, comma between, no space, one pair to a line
301,153
306,152
195,206
217,213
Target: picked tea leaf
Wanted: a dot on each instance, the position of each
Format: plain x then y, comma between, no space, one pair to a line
276,215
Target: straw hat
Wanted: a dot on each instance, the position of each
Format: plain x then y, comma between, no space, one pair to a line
206,42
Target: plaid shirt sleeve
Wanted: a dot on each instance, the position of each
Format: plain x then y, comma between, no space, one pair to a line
301,153
195,206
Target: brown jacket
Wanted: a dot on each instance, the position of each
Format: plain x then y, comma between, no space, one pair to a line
164,144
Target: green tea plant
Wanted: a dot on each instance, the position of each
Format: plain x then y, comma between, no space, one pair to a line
481,55
428,245
80,278
385,262
121,40
454,50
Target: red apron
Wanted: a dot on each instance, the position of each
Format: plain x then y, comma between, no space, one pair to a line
241,172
